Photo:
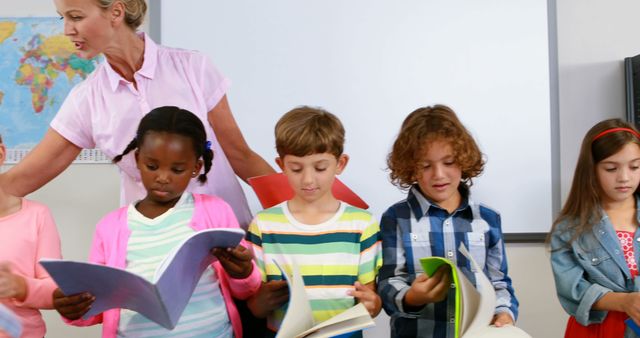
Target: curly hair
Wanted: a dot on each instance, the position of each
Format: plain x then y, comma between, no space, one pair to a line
307,130
418,131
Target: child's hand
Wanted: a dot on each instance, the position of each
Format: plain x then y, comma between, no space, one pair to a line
72,307
432,289
271,296
631,305
366,295
502,319
237,262
11,285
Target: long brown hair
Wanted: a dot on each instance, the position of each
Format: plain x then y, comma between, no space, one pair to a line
583,206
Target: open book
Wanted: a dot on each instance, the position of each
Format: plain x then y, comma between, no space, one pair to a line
162,300
298,321
9,323
474,307
274,189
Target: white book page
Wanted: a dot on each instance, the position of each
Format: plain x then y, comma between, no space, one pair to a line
479,326
491,331
470,302
299,316
353,319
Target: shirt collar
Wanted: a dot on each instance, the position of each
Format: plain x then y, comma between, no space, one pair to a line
421,205
148,68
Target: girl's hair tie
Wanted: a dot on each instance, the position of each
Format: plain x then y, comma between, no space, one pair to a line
612,130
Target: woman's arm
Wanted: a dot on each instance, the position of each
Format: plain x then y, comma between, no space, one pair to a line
42,164
244,161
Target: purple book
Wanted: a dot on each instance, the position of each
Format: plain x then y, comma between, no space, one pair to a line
162,300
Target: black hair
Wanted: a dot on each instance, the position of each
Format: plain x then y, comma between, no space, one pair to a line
178,121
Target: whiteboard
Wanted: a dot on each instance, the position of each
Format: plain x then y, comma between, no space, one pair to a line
372,62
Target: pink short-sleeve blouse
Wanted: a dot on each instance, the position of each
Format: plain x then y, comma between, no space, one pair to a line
104,110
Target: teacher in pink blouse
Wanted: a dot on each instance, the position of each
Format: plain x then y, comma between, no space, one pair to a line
104,110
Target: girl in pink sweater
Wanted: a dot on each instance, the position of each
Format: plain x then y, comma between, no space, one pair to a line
170,150
27,233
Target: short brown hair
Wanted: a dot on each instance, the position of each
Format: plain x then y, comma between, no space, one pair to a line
134,11
422,127
307,130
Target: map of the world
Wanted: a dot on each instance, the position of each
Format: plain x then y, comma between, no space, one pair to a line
38,68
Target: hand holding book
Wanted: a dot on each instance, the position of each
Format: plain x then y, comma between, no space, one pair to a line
235,261
501,319
298,322
271,296
475,305
95,288
431,287
11,284
74,306
367,296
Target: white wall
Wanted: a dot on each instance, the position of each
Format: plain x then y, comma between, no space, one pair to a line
371,62
593,39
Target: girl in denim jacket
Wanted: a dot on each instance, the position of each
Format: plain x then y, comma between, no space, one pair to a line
594,240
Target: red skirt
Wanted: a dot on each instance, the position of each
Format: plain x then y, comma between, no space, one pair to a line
612,327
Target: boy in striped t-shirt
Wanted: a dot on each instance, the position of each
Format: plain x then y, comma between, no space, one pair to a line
336,246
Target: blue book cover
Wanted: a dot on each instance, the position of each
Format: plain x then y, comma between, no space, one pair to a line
161,300
10,323
631,324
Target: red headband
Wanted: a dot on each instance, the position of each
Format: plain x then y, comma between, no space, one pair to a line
614,130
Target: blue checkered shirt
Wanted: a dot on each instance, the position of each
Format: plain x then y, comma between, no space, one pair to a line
416,228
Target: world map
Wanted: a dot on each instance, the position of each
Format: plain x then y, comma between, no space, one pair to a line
38,68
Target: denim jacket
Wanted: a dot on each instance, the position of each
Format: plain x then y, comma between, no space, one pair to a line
592,265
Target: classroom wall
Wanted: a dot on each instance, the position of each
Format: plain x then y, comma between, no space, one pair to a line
377,61
593,37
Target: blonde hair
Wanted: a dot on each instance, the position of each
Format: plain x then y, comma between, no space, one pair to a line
135,11
418,131
306,130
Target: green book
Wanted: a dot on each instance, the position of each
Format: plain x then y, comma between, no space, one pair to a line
474,307
430,265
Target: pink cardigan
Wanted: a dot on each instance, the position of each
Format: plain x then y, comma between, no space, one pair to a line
110,248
